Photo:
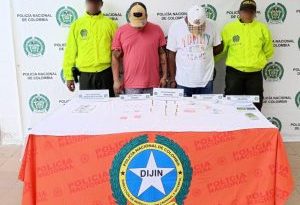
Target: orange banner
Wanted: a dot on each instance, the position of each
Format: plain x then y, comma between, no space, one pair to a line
246,167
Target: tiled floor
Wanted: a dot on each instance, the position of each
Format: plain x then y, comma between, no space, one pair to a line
11,188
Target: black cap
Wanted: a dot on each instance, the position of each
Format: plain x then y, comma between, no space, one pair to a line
248,5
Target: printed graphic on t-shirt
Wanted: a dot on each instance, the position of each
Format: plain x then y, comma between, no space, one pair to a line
195,46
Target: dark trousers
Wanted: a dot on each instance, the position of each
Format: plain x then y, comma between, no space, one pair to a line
243,83
97,81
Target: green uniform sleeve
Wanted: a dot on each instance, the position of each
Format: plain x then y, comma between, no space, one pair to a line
70,54
268,44
225,44
114,28
225,40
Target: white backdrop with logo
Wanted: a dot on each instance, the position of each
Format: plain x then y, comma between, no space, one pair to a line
10,118
41,28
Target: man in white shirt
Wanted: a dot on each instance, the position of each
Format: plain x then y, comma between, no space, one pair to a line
192,43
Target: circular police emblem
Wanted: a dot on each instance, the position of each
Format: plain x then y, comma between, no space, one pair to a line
39,103
236,38
211,11
65,16
276,13
275,121
273,71
146,173
62,76
127,16
34,47
297,99
83,33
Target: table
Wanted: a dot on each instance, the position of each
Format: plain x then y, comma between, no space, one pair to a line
156,152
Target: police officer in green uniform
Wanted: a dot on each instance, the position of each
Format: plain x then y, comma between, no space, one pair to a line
89,50
249,46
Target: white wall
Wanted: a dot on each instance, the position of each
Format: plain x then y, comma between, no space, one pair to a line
10,122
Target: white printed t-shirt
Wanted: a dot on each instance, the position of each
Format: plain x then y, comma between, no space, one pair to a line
194,54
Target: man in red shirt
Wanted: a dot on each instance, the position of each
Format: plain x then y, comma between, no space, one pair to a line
141,45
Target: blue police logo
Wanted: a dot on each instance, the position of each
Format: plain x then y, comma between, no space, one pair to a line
145,173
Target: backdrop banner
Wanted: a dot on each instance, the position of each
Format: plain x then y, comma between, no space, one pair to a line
41,28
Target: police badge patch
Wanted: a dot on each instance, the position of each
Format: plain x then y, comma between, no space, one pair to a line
146,173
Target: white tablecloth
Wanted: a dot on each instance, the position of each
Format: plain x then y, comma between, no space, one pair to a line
84,117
